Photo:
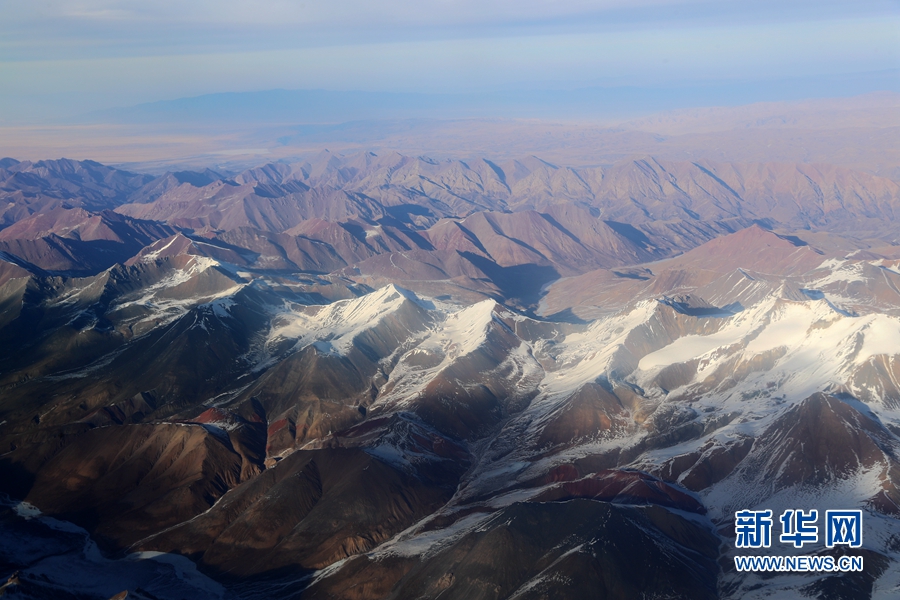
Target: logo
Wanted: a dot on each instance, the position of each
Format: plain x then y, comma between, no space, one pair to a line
753,529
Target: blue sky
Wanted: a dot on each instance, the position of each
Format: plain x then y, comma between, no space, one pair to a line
67,57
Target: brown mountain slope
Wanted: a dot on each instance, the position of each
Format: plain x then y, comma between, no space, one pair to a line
29,187
125,482
735,265
576,549
310,510
73,239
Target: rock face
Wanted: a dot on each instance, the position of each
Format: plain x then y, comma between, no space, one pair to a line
387,377
573,550
124,483
310,510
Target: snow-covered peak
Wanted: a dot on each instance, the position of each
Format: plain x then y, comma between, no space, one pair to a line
779,347
463,331
333,327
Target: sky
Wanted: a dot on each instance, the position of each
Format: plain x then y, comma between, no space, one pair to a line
60,58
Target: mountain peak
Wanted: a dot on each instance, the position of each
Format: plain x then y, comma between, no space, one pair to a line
753,249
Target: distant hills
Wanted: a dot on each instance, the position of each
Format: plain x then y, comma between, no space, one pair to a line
230,133
334,211
316,106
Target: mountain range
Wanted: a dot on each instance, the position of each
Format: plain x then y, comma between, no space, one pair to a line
391,376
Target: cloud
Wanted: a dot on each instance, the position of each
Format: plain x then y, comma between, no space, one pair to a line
129,23
122,52
342,13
